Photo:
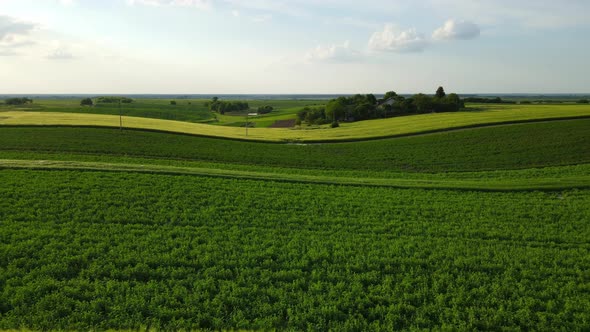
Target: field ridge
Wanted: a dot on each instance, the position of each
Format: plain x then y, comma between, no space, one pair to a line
357,131
538,184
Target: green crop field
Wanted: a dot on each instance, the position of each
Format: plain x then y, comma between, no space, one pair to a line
475,220
97,250
480,115
503,147
186,110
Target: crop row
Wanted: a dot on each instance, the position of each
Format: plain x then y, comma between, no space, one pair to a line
501,147
92,250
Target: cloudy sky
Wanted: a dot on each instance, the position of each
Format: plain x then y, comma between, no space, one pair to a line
294,46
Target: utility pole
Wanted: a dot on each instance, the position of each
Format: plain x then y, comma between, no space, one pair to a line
120,117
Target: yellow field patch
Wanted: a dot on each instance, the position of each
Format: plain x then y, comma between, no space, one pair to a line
347,131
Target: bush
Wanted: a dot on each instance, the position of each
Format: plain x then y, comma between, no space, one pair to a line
18,101
583,101
221,107
335,124
265,109
107,100
172,102
86,102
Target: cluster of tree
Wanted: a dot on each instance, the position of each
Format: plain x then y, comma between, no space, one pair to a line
221,106
173,102
364,107
86,102
548,101
124,100
480,100
583,101
265,109
312,116
18,101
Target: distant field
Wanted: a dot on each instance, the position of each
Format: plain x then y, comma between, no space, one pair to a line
348,131
188,110
553,143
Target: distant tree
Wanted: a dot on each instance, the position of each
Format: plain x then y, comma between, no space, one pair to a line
315,115
495,100
389,95
335,124
124,100
525,102
18,101
423,103
440,92
335,109
173,102
371,99
583,101
265,109
86,102
215,99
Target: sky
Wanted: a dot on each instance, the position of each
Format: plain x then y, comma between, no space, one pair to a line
294,46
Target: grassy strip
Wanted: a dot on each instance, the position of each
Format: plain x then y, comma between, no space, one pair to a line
348,131
555,172
553,143
459,184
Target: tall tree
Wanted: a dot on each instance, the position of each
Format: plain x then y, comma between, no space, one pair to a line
440,92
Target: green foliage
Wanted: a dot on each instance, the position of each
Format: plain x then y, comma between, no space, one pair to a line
18,101
173,102
440,92
97,251
109,100
480,100
525,102
335,124
335,109
364,107
389,95
265,109
583,101
501,147
312,115
221,107
86,102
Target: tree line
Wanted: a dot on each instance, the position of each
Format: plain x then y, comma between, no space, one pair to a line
364,107
18,101
220,106
481,100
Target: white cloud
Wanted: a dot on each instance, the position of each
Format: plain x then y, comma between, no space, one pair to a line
454,29
332,53
60,54
59,50
67,2
545,14
262,18
200,4
10,27
393,40
14,34
235,13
